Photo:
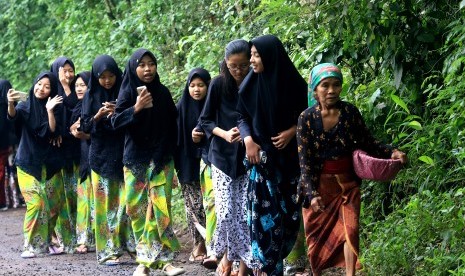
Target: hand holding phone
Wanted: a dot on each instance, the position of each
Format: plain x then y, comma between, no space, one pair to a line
22,96
139,91
16,96
197,135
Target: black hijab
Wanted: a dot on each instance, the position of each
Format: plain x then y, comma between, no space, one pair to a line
84,168
35,149
151,133
4,87
35,108
106,150
85,76
97,94
70,100
189,112
147,131
6,127
276,97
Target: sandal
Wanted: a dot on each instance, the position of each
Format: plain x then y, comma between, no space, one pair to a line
223,270
172,271
81,249
141,270
55,250
197,258
210,262
112,262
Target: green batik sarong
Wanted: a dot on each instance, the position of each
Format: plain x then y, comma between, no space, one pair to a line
208,194
85,217
297,259
44,201
149,207
112,230
68,216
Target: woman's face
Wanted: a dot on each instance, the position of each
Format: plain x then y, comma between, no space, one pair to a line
328,90
107,79
81,88
146,69
238,65
69,72
197,89
256,60
42,88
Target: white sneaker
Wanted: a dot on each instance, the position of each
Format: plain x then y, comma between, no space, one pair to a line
141,270
28,254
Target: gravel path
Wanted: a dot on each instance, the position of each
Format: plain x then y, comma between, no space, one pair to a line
11,243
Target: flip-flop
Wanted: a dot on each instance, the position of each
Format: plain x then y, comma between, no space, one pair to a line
112,262
141,270
173,271
55,250
198,258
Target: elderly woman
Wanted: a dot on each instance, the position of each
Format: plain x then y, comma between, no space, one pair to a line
327,134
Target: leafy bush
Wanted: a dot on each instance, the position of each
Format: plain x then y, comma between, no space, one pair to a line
423,237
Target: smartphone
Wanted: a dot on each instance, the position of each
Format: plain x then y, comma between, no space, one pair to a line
140,89
22,96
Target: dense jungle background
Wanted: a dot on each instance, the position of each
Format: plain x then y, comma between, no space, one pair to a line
403,63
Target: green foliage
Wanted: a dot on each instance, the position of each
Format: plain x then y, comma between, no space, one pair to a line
400,245
22,43
178,210
403,65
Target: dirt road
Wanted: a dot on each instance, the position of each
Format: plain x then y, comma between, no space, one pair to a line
11,264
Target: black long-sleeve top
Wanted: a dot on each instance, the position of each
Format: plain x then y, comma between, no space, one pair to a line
150,134
35,149
106,146
220,111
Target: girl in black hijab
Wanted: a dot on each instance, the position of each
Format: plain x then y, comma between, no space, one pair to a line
271,99
7,131
219,121
149,121
112,232
85,200
63,69
39,162
188,159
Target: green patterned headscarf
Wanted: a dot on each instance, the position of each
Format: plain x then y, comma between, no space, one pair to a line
321,72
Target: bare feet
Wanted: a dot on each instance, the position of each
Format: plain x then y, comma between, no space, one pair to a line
210,262
81,249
